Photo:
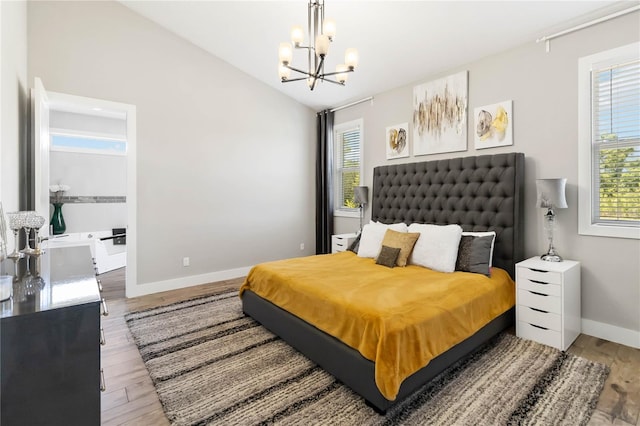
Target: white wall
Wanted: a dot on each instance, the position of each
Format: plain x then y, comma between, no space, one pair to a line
225,164
13,102
544,90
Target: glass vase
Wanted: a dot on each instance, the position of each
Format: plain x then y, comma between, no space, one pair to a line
57,220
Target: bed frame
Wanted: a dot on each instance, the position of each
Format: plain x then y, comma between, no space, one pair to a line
481,193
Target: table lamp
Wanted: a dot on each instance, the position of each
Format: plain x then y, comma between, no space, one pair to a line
551,195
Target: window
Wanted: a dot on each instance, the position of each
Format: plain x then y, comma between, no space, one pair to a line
348,166
609,143
71,141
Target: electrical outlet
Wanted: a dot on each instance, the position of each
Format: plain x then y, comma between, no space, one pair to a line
185,261
301,246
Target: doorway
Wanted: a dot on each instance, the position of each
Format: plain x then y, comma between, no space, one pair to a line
86,148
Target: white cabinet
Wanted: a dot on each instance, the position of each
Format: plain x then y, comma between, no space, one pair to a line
341,242
548,301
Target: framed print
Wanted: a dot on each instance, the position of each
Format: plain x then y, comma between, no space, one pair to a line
440,115
397,141
493,125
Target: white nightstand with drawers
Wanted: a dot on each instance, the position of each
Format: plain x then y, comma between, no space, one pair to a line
341,242
548,301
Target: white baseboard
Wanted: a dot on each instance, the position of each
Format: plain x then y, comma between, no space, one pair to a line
184,282
612,333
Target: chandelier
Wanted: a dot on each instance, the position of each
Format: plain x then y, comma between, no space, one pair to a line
321,32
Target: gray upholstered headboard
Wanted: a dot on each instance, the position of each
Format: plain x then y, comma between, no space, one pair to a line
482,193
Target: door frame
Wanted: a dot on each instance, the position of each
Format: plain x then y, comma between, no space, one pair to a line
63,101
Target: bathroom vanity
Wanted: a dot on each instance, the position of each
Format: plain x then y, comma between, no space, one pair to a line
50,340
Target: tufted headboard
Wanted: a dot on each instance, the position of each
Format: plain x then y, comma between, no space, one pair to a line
482,193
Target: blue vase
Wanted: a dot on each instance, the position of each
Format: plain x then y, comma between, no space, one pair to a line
57,220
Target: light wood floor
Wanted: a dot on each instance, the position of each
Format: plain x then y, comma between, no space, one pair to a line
130,398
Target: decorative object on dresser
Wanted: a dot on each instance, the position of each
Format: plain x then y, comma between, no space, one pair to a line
361,195
49,347
548,301
551,195
210,364
321,32
341,242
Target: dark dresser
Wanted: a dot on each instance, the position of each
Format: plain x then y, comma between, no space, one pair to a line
50,341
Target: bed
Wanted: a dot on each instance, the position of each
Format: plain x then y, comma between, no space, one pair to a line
478,193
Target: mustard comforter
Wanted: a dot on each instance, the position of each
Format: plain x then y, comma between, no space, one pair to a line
400,318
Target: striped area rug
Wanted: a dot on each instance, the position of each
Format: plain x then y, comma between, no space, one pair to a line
213,365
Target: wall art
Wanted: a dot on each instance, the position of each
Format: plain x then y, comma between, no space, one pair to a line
440,115
493,125
397,141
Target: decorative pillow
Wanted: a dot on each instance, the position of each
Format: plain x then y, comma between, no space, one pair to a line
354,245
474,254
388,256
402,240
437,247
372,235
492,234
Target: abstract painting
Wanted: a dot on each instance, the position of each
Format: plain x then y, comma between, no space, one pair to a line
397,141
493,125
440,115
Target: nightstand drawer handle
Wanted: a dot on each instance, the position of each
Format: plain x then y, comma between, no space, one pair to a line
538,310
532,292
538,282
99,285
539,270
103,340
538,326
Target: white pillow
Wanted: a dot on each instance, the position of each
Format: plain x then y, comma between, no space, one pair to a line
484,234
437,246
372,236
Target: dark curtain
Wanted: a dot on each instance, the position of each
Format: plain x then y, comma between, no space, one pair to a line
324,182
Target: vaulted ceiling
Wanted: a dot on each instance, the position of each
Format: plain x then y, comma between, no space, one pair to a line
399,42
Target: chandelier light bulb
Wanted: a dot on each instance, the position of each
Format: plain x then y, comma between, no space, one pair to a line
285,53
342,73
297,35
351,58
284,72
329,28
310,82
322,45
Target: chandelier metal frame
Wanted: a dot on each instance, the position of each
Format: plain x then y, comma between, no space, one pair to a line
320,32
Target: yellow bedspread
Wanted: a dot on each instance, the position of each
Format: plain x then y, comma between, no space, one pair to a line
400,318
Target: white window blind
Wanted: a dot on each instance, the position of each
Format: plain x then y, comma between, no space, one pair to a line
615,145
348,164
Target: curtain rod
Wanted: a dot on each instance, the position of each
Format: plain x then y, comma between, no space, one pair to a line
546,39
370,98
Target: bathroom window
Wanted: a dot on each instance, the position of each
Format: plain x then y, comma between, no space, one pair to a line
87,143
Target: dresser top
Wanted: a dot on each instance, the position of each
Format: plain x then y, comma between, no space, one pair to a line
59,278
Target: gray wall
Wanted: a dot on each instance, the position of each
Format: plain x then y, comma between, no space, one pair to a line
224,163
544,90
13,102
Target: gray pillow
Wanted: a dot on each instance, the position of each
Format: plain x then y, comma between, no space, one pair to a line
474,254
388,256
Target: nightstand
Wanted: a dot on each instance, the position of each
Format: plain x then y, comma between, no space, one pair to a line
341,242
548,301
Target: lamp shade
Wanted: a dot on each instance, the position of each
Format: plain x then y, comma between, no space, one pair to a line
361,194
551,193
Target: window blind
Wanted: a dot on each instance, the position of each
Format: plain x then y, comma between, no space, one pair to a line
616,144
349,166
